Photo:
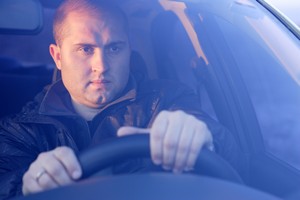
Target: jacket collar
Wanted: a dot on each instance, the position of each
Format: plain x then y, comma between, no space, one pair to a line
57,100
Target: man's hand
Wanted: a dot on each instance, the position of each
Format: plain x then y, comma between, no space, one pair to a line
175,139
51,169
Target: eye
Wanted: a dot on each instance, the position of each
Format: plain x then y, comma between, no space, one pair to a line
113,49
87,50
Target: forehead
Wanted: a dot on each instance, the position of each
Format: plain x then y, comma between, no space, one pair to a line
88,25
98,19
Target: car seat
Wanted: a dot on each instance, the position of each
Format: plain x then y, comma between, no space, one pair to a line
176,58
19,84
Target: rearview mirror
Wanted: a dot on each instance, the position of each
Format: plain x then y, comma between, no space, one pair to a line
20,17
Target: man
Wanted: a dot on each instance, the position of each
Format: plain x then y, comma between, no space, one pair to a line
97,99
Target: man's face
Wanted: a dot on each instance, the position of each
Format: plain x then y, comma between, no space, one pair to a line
93,58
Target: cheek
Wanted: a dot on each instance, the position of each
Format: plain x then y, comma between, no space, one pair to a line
73,66
123,69
73,74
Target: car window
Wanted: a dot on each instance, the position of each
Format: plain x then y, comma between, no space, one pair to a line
267,55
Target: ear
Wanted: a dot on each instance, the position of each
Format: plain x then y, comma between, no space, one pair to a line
56,55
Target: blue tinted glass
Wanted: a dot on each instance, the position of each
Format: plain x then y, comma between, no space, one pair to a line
268,57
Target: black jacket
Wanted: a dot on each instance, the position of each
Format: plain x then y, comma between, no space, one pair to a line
50,121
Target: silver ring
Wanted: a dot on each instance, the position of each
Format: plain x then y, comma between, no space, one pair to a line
40,174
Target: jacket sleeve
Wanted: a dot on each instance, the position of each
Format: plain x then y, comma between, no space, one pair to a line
17,150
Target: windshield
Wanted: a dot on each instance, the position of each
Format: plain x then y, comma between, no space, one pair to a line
266,54
269,63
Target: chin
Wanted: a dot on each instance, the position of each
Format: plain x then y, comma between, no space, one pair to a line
102,101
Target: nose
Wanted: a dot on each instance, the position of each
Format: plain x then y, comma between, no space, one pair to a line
99,63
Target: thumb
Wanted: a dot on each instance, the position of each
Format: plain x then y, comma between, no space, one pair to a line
130,130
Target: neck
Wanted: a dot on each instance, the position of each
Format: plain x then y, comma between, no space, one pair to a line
84,111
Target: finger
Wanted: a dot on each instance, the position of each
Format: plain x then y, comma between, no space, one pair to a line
200,138
37,166
171,139
69,160
57,171
30,185
185,142
130,130
46,182
157,134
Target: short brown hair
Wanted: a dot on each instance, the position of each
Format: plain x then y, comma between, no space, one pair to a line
94,7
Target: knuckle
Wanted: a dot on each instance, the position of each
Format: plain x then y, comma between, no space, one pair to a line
62,151
164,113
179,112
192,118
201,125
54,171
157,134
170,145
182,148
43,156
194,152
44,181
178,115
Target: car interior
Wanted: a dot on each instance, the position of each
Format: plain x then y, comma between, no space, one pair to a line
161,48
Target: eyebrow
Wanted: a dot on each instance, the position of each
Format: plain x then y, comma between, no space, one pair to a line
85,44
120,42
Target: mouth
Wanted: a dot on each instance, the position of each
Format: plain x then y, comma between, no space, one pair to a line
100,82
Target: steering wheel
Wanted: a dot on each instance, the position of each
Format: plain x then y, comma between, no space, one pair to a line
150,186
135,146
